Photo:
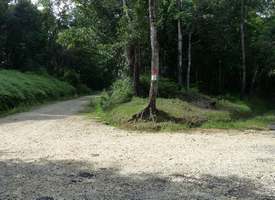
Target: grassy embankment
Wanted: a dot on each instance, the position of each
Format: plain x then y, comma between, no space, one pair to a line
19,91
185,112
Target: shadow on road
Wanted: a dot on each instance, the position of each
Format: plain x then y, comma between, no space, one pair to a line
48,179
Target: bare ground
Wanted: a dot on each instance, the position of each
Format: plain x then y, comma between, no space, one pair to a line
54,153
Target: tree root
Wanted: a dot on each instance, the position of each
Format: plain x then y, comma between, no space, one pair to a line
148,114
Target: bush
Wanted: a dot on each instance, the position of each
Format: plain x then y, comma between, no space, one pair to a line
27,89
238,108
121,91
83,89
72,77
195,97
167,87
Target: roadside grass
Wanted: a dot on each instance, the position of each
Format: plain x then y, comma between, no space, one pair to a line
177,114
19,91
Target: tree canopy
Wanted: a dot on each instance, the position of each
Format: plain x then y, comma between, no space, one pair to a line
98,41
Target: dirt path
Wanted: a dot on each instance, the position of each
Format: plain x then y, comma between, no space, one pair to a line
54,153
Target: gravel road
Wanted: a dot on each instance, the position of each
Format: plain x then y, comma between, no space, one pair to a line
54,153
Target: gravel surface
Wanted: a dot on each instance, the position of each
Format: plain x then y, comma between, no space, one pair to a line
53,153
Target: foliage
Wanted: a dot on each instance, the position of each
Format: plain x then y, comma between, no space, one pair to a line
167,87
72,77
25,39
120,92
23,89
90,37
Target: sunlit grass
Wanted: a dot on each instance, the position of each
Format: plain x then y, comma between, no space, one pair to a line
229,114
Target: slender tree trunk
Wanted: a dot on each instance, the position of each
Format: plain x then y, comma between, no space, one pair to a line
131,58
136,72
243,48
189,60
180,63
129,49
125,10
220,77
254,79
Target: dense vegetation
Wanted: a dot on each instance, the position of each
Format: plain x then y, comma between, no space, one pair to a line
22,90
98,41
217,47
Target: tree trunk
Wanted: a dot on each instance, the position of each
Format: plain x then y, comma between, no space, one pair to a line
220,77
129,49
254,79
243,49
180,67
155,56
150,111
125,10
136,72
189,60
132,54
131,59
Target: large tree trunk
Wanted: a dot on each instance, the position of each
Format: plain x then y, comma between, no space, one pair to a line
243,48
189,60
150,111
180,64
155,56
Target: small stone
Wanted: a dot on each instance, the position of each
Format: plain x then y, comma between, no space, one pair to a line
86,175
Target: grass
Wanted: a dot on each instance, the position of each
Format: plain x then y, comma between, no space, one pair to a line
177,115
19,91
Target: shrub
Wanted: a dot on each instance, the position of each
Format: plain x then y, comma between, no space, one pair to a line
121,91
72,77
83,89
195,97
239,108
167,87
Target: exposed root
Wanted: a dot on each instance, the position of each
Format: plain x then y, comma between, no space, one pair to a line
148,114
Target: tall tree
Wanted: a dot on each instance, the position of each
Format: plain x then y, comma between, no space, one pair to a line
189,59
242,32
151,110
132,48
155,57
180,45
190,27
3,35
25,37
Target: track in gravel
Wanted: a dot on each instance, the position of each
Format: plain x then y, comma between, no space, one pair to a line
54,153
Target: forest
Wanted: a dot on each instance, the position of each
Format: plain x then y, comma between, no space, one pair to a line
212,54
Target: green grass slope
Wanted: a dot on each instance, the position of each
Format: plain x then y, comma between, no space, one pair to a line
24,89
